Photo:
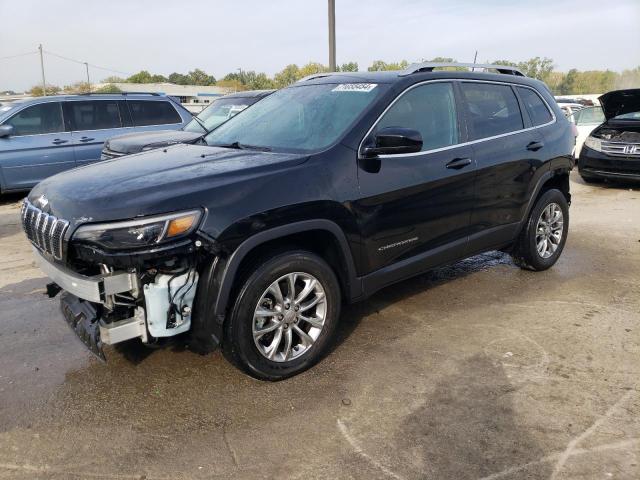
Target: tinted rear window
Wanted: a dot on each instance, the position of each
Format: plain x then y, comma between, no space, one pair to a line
153,113
94,115
493,109
38,119
538,111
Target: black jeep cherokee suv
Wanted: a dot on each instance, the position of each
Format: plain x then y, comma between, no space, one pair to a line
323,192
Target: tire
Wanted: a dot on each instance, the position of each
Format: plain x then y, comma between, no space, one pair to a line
257,286
525,253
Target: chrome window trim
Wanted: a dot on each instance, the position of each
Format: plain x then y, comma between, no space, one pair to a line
463,144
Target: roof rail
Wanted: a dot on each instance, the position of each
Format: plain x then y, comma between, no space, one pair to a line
155,94
430,66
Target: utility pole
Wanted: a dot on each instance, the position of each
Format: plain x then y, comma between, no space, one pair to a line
86,64
475,57
44,84
332,35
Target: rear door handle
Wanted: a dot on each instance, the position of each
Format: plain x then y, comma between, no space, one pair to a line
458,163
59,141
535,146
86,139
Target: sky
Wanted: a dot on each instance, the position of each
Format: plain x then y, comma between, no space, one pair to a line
220,36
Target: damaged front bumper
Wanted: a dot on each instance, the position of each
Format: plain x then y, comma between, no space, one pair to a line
159,308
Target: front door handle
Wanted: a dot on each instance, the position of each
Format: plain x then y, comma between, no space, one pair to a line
59,141
535,146
86,139
458,163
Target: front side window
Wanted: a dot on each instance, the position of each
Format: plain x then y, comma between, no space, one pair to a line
538,111
38,119
148,112
492,109
301,118
94,115
431,110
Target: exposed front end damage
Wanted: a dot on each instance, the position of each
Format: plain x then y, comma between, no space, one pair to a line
111,297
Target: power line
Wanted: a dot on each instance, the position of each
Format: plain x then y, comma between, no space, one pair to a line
18,55
85,63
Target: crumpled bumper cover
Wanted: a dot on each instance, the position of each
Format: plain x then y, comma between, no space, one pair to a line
83,319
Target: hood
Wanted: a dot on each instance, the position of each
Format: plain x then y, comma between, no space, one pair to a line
135,142
179,177
620,102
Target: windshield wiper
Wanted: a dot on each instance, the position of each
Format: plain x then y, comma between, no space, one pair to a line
241,146
201,123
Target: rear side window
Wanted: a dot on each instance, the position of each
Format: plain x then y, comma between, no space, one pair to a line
152,113
493,109
94,115
38,119
538,111
431,110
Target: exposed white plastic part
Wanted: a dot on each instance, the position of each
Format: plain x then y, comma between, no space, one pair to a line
156,295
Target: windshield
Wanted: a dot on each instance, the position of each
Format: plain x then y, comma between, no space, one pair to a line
589,116
298,119
218,112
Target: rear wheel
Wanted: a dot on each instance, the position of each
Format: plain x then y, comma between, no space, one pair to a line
543,237
284,316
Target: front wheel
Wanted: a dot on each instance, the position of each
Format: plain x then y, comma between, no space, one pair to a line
284,316
543,237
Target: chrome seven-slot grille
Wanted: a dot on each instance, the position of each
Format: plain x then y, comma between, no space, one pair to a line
621,149
45,231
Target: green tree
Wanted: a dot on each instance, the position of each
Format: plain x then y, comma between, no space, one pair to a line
178,78
348,67
628,79
380,65
113,79
142,76
109,88
312,68
36,91
287,76
200,77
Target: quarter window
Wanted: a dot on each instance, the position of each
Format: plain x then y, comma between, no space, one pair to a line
493,109
153,113
94,115
538,111
431,110
38,119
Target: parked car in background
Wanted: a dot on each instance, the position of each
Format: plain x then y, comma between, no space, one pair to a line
612,150
327,190
570,108
47,135
585,120
218,112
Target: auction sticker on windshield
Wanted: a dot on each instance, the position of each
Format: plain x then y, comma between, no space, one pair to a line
355,87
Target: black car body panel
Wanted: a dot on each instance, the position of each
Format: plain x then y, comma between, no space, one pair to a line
382,219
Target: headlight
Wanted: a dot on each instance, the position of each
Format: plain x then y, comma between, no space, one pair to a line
593,143
142,232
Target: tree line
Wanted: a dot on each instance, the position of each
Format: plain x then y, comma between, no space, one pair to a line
573,82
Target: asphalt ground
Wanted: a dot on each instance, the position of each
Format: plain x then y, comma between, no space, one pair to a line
478,370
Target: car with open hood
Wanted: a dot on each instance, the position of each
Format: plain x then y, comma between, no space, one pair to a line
323,192
211,117
612,150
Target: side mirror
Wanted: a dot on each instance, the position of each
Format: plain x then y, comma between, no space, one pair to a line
6,130
393,141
